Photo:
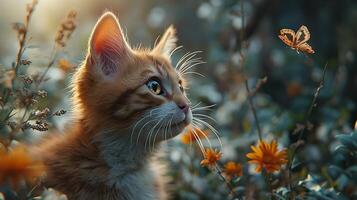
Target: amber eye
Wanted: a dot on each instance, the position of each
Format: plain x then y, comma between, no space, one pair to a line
154,86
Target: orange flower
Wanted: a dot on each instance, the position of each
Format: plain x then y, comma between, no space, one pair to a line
193,134
267,156
17,165
211,157
232,169
294,89
65,65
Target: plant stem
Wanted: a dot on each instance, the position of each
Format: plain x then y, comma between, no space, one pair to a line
306,120
229,185
49,65
251,105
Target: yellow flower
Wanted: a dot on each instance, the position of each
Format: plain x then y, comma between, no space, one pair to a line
192,135
65,65
211,157
267,156
232,169
17,165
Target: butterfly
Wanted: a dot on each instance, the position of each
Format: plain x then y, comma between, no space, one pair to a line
298,40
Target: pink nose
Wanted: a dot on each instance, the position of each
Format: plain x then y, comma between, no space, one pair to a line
184,107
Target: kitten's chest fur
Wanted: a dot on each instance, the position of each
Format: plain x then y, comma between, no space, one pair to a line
108,168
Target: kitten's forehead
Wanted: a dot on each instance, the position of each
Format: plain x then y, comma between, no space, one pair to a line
164,68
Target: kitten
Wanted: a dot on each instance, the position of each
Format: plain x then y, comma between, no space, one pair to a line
126,101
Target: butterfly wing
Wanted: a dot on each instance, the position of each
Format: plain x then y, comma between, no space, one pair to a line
304,47
287,36
302,36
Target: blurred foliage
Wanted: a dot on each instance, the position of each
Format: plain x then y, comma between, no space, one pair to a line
325,163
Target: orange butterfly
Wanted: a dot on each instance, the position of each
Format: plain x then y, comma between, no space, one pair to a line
297,41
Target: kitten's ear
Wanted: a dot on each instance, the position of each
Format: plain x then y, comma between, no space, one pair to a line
107,45
167,42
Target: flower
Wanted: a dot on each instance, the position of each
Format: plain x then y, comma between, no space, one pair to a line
211,157
17,165
65,65
267,156
294,89
192,135
232,169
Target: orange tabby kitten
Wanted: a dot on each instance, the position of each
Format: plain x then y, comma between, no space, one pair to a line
126,101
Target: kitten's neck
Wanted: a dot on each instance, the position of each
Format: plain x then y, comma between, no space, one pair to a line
122,154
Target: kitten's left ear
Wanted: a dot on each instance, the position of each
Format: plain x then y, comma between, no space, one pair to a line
108,46
167,43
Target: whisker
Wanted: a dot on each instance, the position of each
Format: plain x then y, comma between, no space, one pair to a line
204,116
189,62
203,108
196,73
199,142
206,137
138,122
194,106
148,137
191,66
185,56
138,137
174,50
210,127
157,131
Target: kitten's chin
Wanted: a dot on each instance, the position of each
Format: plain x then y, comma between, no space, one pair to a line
173,130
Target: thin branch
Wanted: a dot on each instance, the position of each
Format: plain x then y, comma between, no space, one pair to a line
313,104
249,96
260,83
301,131
251,105
229,185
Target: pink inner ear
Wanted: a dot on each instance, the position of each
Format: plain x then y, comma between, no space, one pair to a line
108,44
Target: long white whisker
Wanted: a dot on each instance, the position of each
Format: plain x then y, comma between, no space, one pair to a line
174,50
194,106
151,114
183,58
195,73
157,131
211,128
138,137
148,136
203,107
135,125
190,66
206,137
189,62
204,116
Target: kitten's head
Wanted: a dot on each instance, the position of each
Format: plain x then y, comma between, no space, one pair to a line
133,89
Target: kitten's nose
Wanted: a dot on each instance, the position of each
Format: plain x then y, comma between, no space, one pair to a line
184,107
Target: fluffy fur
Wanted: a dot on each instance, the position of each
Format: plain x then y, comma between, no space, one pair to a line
107,151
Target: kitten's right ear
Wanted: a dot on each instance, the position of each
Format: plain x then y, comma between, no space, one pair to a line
108,48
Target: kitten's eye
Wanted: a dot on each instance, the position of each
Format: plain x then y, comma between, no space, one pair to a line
154,86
